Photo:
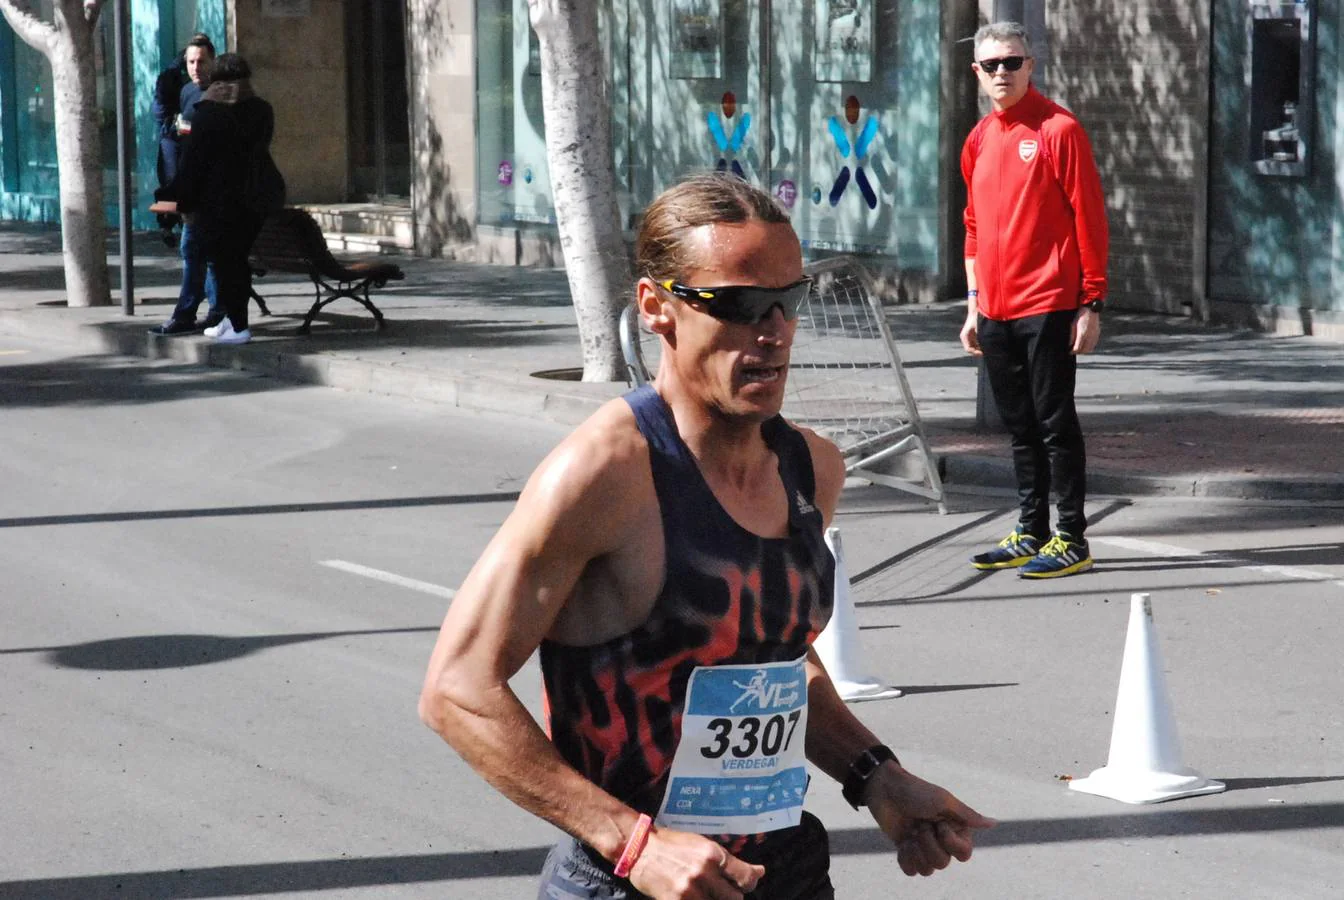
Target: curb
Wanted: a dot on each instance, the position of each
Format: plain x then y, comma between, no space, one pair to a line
989,471
569,403
562,402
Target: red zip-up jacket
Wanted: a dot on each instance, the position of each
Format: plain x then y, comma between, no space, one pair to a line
1035,213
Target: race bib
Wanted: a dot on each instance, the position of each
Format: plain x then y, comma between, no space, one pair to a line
740,767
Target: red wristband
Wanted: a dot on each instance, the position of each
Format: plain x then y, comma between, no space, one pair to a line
635,846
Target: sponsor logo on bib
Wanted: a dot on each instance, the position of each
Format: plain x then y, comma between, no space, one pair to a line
1026,150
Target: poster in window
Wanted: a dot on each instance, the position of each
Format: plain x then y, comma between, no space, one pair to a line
697,39
844,40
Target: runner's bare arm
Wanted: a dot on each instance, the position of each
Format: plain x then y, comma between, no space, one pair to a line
579,505
927,824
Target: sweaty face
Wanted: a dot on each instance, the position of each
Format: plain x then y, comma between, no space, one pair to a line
198,63
737,370
1003,88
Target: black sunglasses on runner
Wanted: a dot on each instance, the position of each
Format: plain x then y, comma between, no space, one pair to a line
1009,63
742,304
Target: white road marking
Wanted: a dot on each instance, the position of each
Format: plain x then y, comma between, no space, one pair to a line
423,587
1153,548
12,352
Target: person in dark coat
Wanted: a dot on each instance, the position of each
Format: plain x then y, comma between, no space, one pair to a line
167,91
176,94
191,68
230,134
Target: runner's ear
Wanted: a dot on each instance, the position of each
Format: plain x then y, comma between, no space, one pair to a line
653,306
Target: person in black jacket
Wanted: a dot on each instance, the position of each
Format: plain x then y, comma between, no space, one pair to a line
190,67
216,190
167,90
176,93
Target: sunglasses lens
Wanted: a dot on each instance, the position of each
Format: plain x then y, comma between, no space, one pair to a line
749,305
1009,63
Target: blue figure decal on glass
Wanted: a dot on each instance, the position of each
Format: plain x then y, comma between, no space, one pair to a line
862,144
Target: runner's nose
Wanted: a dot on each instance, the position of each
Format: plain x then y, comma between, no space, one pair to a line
773,326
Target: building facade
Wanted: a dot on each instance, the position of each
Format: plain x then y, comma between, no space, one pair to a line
1216,125
335,71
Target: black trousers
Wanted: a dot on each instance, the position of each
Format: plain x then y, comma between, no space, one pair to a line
227,243
1032,374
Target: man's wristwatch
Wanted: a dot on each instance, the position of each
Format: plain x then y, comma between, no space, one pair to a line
1095,305
862,769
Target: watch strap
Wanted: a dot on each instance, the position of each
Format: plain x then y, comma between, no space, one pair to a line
862,769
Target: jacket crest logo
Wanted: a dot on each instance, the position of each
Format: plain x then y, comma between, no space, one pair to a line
1026,150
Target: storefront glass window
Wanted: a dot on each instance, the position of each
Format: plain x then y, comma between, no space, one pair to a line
512,181
513,184
854,95
833,105
36,117
28,116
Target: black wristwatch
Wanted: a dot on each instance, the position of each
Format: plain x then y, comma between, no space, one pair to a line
862,769
1095,305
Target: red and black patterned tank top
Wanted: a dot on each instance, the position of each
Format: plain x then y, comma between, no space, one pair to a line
729,596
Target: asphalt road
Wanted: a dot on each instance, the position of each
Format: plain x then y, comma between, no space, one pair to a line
218,593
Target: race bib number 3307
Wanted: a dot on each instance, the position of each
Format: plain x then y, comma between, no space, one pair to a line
740,767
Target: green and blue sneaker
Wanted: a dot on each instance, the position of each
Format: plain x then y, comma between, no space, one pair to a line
1017,549
1060,556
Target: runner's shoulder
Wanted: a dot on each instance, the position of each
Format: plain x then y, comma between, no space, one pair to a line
601,466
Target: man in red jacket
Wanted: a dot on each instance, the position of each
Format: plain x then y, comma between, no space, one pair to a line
1036,238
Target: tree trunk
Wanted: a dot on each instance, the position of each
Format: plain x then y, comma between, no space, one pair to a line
583,179
79,159
67,43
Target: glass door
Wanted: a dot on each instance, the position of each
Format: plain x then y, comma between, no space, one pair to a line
379,128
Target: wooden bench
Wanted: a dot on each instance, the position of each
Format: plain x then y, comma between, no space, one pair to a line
291,241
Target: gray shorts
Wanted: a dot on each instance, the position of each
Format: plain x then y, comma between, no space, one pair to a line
797,867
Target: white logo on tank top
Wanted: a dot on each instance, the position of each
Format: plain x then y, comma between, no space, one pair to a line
804,508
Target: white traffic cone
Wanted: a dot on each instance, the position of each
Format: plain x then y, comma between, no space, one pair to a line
838,643
1144,765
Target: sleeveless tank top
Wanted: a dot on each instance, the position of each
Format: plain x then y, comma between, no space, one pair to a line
729,596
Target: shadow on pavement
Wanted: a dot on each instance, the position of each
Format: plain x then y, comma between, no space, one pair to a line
347,331
104,381
1152,822
949,688
373,871
262,510
1064,587
179,651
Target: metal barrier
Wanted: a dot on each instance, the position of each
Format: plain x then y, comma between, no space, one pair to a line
846,381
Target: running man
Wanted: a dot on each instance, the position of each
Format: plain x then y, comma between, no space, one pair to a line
664,554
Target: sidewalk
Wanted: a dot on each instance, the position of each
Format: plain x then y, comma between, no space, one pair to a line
1169,407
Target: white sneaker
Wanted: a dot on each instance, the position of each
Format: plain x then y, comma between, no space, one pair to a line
227,335
215,331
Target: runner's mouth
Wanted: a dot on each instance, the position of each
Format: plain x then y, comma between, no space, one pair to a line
762,374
